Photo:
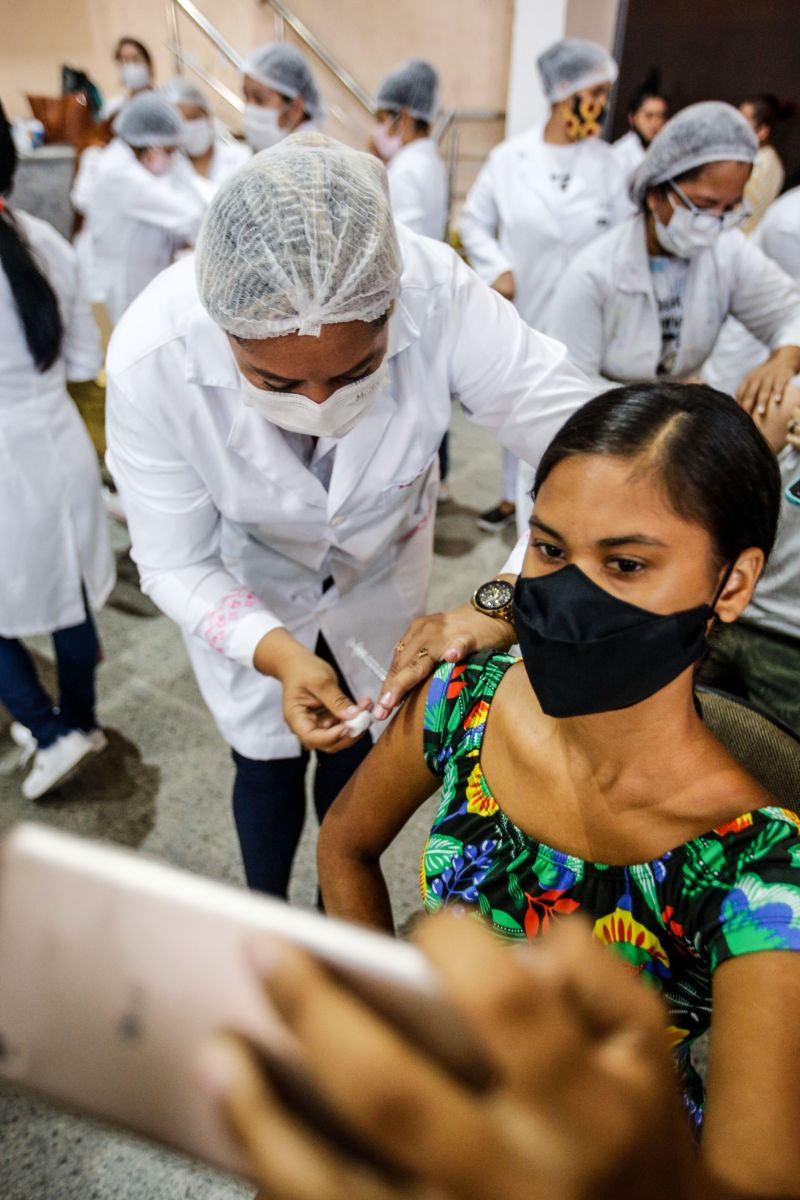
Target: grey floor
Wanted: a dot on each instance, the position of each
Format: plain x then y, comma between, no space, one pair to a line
163,787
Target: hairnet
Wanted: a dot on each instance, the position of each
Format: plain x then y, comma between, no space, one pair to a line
572,64
301,237
180,90
710,131
281,67
149,120
413,86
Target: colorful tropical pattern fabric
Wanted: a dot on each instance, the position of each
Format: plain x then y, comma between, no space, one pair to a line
735,890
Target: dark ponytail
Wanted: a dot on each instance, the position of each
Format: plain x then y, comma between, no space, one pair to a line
33,295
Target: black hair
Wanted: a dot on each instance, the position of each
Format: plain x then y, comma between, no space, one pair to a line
140,46
33,295
638,99
716,467
769,110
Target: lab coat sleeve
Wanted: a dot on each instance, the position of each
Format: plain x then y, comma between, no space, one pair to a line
175,534
478,229
513,564
765,299
782,244
82,347
508,377
575,317
155,202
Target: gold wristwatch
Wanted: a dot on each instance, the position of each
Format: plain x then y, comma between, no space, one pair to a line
493,599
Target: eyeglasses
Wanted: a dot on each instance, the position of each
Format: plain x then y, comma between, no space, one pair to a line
707,221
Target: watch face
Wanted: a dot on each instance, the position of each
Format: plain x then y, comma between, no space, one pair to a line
494,595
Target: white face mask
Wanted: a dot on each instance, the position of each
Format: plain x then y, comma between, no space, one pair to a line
134,75
387,144
198,136
683,236
261,128
335,417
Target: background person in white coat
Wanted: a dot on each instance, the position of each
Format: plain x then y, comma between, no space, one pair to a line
273,430
281,95
141,213
541,196
212,158
647,112
650,297
53,538
406,105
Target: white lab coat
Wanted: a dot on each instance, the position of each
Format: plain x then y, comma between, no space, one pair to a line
233,536
80,196
137,223
516,219
605,310
737,352
629,152
418,188
227,159
53,531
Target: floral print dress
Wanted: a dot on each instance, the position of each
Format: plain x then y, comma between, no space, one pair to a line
734,890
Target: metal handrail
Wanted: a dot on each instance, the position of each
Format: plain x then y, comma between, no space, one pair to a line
188,60
360,94
213,34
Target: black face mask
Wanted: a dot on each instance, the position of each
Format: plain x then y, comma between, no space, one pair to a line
585,651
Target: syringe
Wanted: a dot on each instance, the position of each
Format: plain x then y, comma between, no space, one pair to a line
359,724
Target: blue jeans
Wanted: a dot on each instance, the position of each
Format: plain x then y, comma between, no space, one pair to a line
22,693
269,802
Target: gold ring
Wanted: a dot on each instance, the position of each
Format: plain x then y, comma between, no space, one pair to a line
423,652
400,647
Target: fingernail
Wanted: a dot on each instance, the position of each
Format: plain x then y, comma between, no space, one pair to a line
351,711
379,712
216,1070
386,699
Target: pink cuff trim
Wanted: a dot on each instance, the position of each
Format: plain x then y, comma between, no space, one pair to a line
227,612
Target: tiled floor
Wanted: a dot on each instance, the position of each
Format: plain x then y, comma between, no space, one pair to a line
163,786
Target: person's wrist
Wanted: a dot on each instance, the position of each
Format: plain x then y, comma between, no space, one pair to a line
790,355
276,652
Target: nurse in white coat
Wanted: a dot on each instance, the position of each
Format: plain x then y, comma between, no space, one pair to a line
406,105
273,429
142,213
650,297
647,113
54,548
542,196
209,157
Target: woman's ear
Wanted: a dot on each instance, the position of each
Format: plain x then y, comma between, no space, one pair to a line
739,587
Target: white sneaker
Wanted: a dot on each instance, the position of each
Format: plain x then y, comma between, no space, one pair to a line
56,763
21,736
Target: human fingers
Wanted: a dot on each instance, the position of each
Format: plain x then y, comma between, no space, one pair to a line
397,1098
288,1160
748,390
512,997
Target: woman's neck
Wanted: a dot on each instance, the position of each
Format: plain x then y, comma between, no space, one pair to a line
555,131
202,163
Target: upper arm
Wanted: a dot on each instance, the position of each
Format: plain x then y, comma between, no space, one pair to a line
387,789
782,245
83,353
753,1093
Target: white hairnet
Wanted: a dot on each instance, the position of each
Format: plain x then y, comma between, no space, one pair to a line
149,120
301,237
710,131
573,64
413,86
180,90
281,67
